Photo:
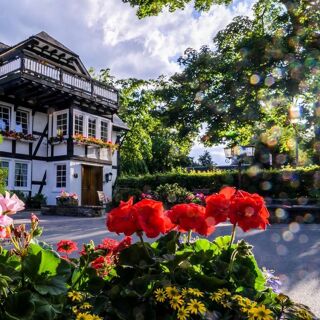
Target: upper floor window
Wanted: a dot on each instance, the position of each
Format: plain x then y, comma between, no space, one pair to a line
92,128
62,124
104,131
22,122
21,175
78,124
4,118
5,165
61,176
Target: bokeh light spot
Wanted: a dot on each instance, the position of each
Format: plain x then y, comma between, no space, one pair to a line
294,227
287,235
255,79
282,250
303,238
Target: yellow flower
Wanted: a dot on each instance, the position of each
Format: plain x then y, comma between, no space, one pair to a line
75,309
86,306
261,313
176,302
224,292
75,295
95,317
83,316
195,292
216,297
182,313
160,295
195,306
184,292
172,291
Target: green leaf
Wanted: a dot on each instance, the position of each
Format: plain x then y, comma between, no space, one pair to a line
209,283
20,306
135,255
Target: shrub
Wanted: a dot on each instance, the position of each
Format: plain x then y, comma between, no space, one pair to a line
37,201
275,183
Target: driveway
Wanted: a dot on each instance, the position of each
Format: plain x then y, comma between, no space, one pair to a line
293,250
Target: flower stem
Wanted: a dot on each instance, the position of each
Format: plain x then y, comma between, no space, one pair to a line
82,272
233,234
189,236
143,244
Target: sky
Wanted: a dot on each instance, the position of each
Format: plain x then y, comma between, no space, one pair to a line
107,34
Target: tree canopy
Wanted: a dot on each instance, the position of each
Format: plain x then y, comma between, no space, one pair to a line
147,8
245,88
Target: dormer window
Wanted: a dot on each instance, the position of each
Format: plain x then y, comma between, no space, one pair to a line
4,118
92,127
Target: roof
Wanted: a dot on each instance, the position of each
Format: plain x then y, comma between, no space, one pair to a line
3,47
118,123
46,37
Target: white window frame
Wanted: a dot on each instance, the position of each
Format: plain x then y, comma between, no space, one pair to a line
58,189
13,176
11,115
54,119
29,113
86,117
83,122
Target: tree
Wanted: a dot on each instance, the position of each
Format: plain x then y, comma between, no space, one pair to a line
205,159
244,89
154,7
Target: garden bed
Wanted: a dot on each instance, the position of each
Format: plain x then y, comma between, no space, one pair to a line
75,211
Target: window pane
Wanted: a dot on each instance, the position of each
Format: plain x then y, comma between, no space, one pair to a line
62,124
4,118
104,130
61,176
22,121
5,165
78,124
91,128
21,175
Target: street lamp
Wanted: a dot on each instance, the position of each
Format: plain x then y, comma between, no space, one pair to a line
237,154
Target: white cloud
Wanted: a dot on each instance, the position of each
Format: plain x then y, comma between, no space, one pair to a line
158,38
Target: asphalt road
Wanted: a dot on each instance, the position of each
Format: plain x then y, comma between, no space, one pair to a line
293,250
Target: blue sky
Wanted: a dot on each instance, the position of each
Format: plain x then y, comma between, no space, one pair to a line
107,34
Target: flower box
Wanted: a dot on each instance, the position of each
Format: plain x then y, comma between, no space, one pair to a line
67,202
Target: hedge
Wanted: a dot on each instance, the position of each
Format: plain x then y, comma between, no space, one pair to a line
275,183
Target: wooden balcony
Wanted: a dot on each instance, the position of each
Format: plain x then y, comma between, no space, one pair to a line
49,76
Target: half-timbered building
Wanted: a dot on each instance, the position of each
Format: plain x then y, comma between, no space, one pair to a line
59,126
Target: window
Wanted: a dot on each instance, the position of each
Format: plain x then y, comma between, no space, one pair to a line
62,124
61,176
5,165
21,175
92,128
104,131
78,124
4,118
22,121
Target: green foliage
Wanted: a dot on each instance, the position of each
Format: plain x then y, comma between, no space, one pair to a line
283,183
171,194
244,89
36,201
152,8
3,176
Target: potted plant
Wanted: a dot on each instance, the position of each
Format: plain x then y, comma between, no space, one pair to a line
67,199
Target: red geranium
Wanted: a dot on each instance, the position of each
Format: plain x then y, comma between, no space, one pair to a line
248,211
151,218
121,220
66,246
217,205
190,217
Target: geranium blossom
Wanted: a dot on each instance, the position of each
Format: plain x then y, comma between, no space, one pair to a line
121,220
10,204
151,218
191,217
66,246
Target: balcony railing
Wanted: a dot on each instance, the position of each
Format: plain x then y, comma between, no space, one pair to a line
59,76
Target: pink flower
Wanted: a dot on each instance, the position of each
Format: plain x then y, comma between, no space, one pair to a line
5,222
67,246
10,205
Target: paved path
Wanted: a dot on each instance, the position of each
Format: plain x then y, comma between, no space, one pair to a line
293,251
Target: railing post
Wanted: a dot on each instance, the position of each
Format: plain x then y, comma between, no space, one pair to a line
92,87
22,64
60,76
